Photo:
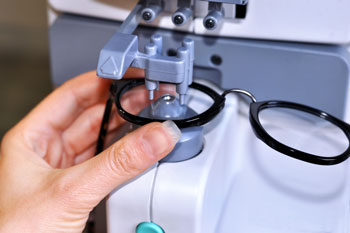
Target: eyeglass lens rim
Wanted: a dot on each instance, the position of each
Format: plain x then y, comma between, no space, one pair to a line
262,134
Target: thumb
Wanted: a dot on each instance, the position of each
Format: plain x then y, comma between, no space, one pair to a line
94,179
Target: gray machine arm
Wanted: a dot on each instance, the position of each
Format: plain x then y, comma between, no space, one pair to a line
121,52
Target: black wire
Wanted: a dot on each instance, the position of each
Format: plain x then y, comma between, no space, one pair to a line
90,225
105,120
104,126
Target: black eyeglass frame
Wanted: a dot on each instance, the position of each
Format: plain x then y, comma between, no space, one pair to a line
120,87
260,132
125,85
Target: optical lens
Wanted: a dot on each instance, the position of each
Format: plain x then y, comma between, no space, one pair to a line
304,131
165,103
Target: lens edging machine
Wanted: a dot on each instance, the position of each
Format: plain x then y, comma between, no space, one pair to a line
233,184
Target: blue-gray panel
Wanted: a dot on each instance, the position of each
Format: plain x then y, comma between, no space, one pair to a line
315,75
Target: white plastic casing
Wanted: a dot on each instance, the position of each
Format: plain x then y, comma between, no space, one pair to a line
130,204
320,21
237,184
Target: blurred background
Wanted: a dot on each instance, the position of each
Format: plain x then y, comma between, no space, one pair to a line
24,61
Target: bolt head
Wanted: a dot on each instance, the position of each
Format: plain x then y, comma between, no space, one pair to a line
147,15
210,23
178,20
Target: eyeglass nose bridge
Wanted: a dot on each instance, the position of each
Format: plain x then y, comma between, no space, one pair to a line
240,91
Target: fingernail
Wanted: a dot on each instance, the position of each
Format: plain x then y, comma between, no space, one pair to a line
156,140
173,130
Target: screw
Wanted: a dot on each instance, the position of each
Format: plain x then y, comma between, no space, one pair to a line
147,15
178,19
151,94
210,23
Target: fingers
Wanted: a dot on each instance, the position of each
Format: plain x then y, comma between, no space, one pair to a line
61,107
130,156
111,137
43,126
134,73
83,132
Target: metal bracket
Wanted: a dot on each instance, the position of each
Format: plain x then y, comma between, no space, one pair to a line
121,52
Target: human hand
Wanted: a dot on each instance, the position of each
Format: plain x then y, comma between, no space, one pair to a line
49,181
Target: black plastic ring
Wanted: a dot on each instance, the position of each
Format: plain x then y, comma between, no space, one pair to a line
124,85
261,133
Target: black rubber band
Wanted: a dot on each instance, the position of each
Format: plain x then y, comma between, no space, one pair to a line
105,119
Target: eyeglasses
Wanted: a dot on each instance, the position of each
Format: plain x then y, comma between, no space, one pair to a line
296,130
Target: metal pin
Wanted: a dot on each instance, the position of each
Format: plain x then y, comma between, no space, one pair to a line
151,95
182,99
158,41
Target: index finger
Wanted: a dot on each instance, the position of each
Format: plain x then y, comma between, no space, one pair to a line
59,110
62,106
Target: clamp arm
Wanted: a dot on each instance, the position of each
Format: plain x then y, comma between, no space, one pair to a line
121,52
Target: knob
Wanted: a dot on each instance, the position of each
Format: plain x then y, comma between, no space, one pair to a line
212,20
150,13
181,16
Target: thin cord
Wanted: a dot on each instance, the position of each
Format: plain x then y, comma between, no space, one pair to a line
90,225
104,126
152,192
105,120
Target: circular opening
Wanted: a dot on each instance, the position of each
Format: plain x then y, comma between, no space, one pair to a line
216,60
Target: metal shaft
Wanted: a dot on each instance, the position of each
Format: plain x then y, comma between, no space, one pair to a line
132,21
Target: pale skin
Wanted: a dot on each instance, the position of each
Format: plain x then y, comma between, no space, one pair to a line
49,177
